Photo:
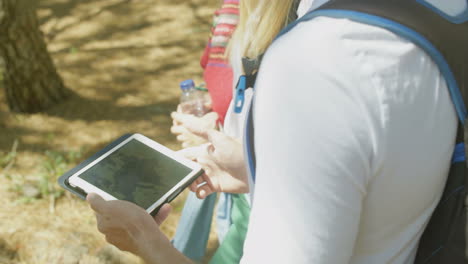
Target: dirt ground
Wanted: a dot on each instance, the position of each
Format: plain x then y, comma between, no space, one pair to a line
123,59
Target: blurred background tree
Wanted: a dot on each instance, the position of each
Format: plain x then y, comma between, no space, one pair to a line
122,60
30,79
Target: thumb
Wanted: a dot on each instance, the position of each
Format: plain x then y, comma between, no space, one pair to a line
212,116
190,122
192,152
216,138
211,135
196,130
97,203
181,118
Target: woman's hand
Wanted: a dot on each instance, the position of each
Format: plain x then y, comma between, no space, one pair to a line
187,138
223,161
130,228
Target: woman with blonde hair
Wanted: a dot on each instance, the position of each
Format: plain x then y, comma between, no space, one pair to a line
230,251
338,153
193,230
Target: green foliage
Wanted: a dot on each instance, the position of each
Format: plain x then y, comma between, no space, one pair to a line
178,207
17,187
25,200
7,158
45,185
73,50
54,165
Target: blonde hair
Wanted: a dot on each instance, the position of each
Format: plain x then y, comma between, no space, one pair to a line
260,21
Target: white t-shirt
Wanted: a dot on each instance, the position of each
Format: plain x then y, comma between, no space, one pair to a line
354,132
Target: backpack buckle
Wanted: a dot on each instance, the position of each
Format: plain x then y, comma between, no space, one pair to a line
240,94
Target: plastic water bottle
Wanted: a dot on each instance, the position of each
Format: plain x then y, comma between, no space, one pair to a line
192,101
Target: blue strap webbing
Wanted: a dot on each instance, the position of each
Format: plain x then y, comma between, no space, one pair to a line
404,32
248,142
458,19
390,25
240,94
459,153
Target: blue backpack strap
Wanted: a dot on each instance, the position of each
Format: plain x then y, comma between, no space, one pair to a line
246,81
404,32
445,40
249,147
329,10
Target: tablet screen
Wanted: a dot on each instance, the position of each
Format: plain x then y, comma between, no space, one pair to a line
136,173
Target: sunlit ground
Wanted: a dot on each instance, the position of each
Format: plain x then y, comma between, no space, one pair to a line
123,59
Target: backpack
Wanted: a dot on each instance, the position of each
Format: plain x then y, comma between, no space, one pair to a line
445,39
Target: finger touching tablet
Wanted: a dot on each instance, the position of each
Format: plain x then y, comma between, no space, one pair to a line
138,170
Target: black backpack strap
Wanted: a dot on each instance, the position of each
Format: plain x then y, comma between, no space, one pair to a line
246,81
444,239
449,38
445,40
442,39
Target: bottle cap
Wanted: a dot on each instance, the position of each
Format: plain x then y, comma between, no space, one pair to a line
187,84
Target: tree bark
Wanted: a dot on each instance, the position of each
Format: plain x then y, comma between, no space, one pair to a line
31,81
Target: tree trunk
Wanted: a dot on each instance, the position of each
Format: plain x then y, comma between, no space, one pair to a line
31,82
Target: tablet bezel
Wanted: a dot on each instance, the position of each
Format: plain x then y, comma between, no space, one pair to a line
76,182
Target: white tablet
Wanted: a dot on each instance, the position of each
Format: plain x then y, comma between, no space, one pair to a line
138,170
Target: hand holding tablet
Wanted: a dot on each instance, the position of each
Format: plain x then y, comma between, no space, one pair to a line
136,169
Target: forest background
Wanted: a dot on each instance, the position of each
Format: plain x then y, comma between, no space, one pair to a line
119,63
